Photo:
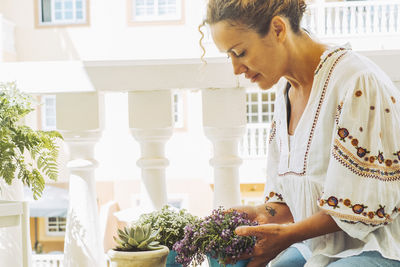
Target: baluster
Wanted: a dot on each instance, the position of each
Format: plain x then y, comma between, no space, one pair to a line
328,29
368,20
398,18
224,129
345,26
376,18
384,22
312,21
260,141
360,20
253,151
337,20
352,19
391,19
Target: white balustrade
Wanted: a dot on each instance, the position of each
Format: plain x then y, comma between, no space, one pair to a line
151,124
254,144
353,18
83,246
224,121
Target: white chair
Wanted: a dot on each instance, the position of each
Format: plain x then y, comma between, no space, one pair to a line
16,213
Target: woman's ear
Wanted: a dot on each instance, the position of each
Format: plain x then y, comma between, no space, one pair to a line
279,28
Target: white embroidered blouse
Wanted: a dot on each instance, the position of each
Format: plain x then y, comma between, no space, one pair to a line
345,158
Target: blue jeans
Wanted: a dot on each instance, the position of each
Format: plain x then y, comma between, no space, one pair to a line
292,258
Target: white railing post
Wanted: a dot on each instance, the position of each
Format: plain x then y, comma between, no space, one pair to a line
151,124
337,29
224,121
384,19
320,21
391,18
360,20
352,19
368,29
79,119
345,24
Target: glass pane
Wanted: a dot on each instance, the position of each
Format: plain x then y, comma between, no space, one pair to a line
264,97
265,118
172,2
171,10
68,15
162,2
247,97
272,108
162,10
57,6
150,2
52,219
264,108
139,2
78,5
273,96
150,11
140,11
79,15
50,101
254,119
254,97
58,16
68,5
50,112
247,108
50,122
254,108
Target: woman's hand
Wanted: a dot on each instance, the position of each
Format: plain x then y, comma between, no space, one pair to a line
267,213
272,239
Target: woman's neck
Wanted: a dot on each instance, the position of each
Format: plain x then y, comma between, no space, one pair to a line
304,57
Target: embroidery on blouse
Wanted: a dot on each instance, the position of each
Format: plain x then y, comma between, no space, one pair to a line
272,132
314,124
372,166
273,195
371,217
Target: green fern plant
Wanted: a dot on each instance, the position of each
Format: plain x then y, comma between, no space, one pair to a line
18,141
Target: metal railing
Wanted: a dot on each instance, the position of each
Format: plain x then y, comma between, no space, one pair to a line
336,19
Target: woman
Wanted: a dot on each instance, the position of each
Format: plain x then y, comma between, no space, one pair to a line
333,173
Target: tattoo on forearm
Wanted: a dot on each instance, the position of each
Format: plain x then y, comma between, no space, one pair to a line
270,210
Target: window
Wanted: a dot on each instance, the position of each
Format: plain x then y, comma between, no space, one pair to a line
156,10
260,110
260,106
54,12
49,113
55,226
178,110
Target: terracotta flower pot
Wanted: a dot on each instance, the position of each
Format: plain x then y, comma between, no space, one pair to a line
152,258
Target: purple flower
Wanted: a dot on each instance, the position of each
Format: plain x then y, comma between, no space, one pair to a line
214,235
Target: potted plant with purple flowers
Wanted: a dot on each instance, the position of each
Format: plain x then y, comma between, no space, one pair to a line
214,237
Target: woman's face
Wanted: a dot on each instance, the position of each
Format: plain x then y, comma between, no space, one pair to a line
261,59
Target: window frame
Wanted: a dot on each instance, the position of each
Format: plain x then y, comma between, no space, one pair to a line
155,20
64,23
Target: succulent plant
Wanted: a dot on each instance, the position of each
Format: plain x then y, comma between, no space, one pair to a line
137,238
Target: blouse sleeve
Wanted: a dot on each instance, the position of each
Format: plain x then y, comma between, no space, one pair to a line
362,187
273,192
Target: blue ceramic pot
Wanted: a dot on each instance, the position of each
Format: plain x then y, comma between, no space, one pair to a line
171,259
214,263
